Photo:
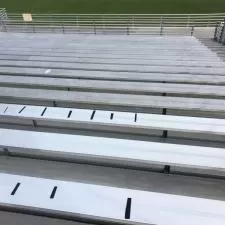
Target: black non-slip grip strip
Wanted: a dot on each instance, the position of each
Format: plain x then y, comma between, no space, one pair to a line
6,109
128,209
92,115
135,117
53,192
42,114
15,189
69,114
111,116
22,109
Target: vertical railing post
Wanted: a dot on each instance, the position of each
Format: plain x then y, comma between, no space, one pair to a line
215,32
33,27
161,29
25,25
128,31
52,23
133,22
1,18
1,21
4,26
188,21
161,26
77,22
209,18
103,23
222,32
223,38
192,30
94,28
63,28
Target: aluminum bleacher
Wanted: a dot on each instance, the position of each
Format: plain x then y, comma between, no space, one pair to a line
112,129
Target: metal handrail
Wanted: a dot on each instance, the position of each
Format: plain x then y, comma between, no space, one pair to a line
115,20
130,23
123,14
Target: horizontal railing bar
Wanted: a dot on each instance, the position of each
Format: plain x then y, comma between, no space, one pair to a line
116,19
126,14
92,21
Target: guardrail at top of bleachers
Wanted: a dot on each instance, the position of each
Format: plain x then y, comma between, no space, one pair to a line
103,23
115,19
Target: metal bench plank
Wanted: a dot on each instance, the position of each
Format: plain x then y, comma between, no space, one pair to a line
114,152
106,99
117,76
111,86
143,58
131,122
118,68
169,62
85,201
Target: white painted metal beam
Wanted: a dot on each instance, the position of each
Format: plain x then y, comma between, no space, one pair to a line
108,120
102,203
116,152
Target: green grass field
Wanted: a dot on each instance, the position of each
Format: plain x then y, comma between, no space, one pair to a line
114,6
